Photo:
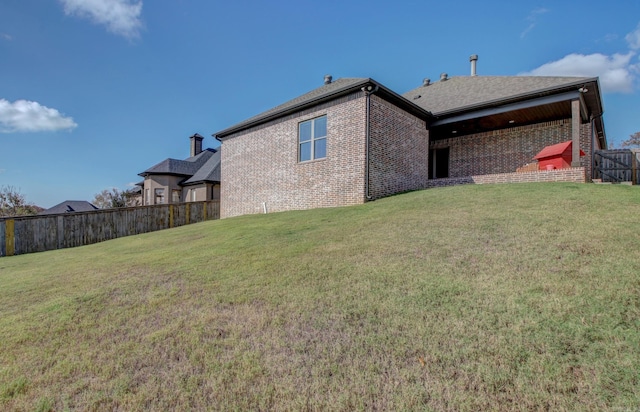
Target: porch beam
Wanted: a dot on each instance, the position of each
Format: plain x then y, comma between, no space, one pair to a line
509,108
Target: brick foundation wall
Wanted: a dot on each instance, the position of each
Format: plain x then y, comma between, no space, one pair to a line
573,174
261,164
503,151
398,150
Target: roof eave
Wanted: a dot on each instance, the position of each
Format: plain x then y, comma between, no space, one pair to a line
520,97
145,174
386,92
197,182
272,116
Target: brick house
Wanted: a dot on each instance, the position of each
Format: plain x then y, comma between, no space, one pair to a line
495,124
354,140
329,147
196,178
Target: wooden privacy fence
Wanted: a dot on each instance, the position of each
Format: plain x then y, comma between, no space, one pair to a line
27,234
617,166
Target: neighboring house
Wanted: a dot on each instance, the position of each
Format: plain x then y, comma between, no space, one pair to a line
69,206
354,140
196,178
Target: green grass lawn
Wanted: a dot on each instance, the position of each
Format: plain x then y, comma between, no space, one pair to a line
491,297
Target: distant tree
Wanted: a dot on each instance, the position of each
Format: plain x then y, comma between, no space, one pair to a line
13,203
112,198
632,141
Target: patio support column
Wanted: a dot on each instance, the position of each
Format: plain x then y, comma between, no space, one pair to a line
575,133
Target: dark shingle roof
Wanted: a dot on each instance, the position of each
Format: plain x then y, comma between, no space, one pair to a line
458,93
325,91
187,167
69,206
209,172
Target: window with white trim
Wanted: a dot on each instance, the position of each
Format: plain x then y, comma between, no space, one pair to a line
312,139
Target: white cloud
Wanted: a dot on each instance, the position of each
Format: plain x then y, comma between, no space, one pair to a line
532,18
633,38
27,116
616,72
6,36
121,17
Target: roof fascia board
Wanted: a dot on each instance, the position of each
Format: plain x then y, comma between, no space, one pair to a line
572,95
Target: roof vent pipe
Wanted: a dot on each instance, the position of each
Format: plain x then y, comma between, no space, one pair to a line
444,77
473,59
327,79
426,82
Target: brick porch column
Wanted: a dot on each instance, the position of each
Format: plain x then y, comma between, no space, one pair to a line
575,133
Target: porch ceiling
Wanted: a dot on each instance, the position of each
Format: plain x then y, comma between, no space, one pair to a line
500,119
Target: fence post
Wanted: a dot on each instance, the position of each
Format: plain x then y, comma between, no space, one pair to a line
10,237
204,211
634,168
60,231
187,214
170,216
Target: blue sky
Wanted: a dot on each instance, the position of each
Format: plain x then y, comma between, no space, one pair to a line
92,92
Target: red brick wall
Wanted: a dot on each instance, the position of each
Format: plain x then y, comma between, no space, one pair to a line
261,164
573,174
398,150
503,151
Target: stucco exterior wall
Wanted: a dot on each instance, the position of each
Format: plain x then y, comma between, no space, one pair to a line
260,166
203,192
504,150
398,150
166,182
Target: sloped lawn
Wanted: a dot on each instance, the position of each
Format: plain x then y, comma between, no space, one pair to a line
513,297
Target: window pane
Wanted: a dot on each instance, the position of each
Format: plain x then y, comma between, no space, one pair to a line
305,151
320,148
159,196
305,131
320,127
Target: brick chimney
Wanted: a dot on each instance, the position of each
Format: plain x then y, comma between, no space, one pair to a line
196,144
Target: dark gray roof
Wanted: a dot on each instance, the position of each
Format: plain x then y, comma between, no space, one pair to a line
209,172
327,90
321,94
467,92
187,167
69,206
